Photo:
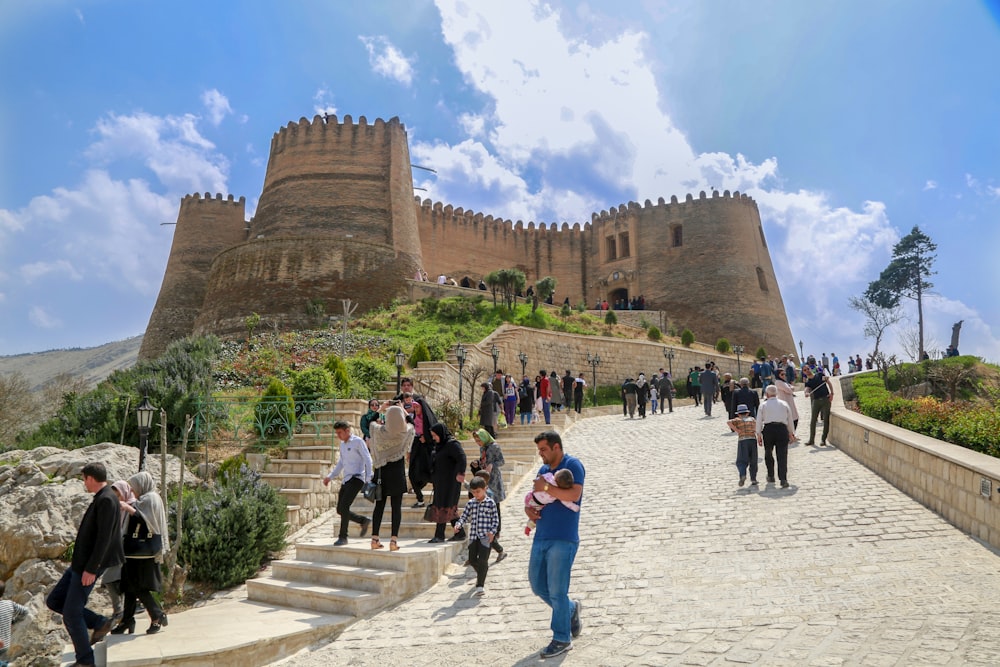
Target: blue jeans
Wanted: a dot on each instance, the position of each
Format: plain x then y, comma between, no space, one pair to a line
69,598
547,411
548,571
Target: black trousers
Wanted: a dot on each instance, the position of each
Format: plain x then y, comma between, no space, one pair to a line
396,502
775,437
348,492
479,559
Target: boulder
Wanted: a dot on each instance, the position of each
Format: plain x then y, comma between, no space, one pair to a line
42,500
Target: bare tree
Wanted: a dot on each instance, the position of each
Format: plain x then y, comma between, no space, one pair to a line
878,319
953,376
472,373
16,407
912,344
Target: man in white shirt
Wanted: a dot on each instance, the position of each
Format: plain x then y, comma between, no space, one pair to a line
774,430
356,464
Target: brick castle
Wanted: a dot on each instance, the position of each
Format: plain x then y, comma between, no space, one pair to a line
337,219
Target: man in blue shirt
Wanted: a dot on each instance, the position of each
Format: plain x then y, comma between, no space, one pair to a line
356,464
557,538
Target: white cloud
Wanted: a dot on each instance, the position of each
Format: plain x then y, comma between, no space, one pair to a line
35,270
42,319
217,106
472,124
324,102
170,146
930,185
387,60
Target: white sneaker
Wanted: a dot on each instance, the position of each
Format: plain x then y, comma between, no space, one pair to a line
479,592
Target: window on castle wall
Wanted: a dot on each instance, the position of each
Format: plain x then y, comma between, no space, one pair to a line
762,239
760,279
678,236
610,248
623,244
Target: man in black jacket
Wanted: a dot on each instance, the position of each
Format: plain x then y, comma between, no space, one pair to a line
746,396
98,546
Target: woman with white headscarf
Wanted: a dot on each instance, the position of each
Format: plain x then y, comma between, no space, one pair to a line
112,577
141,572
389,445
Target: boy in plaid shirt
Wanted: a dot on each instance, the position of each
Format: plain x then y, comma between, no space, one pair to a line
483,519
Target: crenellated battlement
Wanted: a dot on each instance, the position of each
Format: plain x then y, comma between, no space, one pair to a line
327,129
208,200
447,214
673,208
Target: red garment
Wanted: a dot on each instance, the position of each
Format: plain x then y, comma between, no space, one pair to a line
545,391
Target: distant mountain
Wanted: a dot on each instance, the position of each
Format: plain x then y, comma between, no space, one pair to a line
93,364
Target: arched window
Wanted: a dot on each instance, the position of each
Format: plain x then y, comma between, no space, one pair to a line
760,279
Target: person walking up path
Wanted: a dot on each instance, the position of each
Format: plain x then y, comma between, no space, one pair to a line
676,565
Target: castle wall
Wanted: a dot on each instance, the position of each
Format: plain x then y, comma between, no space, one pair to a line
462,243
205,227
337,219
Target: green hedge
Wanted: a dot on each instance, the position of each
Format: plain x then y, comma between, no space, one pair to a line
973,427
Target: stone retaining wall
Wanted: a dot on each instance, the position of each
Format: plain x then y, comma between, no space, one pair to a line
961,485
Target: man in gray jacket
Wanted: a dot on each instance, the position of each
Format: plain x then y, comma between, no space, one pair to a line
709,387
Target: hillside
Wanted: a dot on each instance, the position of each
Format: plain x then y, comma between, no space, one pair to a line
93,364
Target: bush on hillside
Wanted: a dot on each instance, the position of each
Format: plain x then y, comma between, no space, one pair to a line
654,334
687,337
722,346
338,371
230,529
611,318
420,353
761,353
274,414
369,375
312,384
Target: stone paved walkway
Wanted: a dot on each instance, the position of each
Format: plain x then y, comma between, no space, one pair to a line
680,566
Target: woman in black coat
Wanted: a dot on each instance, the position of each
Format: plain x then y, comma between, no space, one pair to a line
449,473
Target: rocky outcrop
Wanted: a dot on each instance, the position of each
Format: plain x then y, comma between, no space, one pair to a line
42,500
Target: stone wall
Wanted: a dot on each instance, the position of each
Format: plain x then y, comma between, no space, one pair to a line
961,485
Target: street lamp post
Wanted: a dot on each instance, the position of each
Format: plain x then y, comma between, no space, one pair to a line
523,358
495,353
594,361
400,360
738,349
668,354
461,354
144,415
802,356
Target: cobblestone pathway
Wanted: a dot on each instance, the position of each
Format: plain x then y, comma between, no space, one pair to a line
680,566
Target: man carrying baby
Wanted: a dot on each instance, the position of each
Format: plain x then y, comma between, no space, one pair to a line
557,538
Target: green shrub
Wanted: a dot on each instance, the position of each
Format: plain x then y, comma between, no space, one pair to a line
654,334
458,308
532,319
761,353
722,346
428,306
565,311
450,412
369,375
231,528
611,318
231,466
338,371
687,337
312,384
420,353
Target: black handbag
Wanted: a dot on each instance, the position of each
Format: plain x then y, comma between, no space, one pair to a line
372,491
140,542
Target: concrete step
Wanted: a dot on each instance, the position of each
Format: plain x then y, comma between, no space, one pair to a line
299,595
310,452
298,467
306,482
335,575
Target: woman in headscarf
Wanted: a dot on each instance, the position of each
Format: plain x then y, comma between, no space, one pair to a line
389,445
371,416
449,473
420,458
113,575
141,573
786,392
491,461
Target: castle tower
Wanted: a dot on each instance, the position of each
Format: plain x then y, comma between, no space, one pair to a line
205,227
335,221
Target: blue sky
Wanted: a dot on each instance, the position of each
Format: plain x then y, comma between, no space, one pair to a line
848,122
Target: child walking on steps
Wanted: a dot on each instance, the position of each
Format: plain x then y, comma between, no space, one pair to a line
480,515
